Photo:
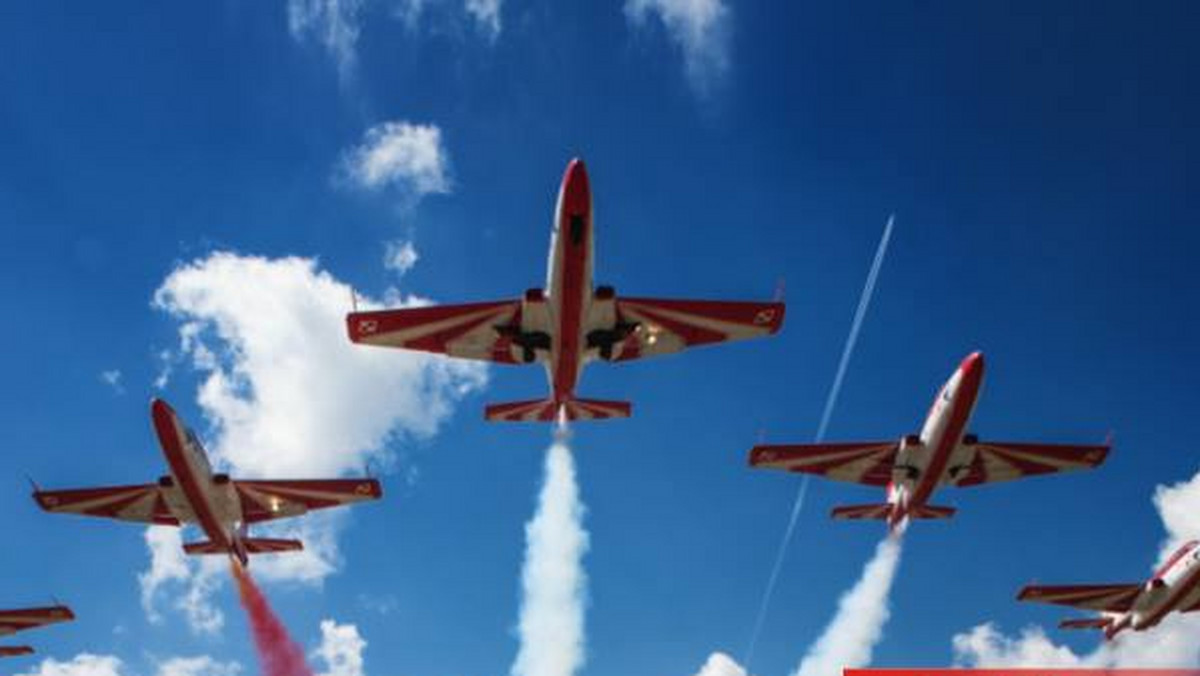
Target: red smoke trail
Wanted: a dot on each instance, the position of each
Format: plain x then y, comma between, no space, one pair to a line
277,652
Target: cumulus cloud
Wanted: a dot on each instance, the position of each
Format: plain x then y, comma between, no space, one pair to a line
83,664
400,256
197,666
553,582
720,664
87,664
335,24
341,649
1171,644
193,579
699,28
288,396
404,157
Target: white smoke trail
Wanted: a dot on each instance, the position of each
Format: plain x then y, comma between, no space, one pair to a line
850,638
553,584
864,301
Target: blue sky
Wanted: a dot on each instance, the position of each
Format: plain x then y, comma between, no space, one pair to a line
1036,160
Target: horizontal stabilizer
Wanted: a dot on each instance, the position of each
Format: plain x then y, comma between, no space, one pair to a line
1086,623
547,410
271,545
252,546
859,512
597,409
15,650
203,547
931,512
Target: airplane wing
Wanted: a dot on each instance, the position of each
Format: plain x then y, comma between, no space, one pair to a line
267,500
1110,598
143,503
993,461
668,326
868,462
482,331
12,621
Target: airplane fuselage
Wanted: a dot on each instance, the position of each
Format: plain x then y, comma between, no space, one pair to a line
1175,586
929,459
193,493
569,290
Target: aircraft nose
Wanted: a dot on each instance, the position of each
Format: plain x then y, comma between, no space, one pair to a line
577,197
972,365
160,408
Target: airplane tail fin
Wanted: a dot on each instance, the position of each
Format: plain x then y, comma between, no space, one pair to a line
15,650
547,410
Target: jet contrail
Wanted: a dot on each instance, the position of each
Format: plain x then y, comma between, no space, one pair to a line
864,301
553,584
850,637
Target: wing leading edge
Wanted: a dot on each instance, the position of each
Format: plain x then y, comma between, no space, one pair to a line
866,462
480,331
1109,598
269,500
995,461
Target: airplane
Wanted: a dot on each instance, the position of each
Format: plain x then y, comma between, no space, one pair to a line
12,621
192,493
567,324
943,454
1175,586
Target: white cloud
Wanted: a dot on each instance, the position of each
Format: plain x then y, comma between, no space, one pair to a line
83,664
112,378
166,366
288,396
486,14
381,604
408,158
700,28
553,582
197,666
336,24
850,637
1171,644
720,664
193,578
341,649
87,664
287,392
400,256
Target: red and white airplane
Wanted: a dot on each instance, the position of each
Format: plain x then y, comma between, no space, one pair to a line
567,324
12,621
1175,586
941,455
192,493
